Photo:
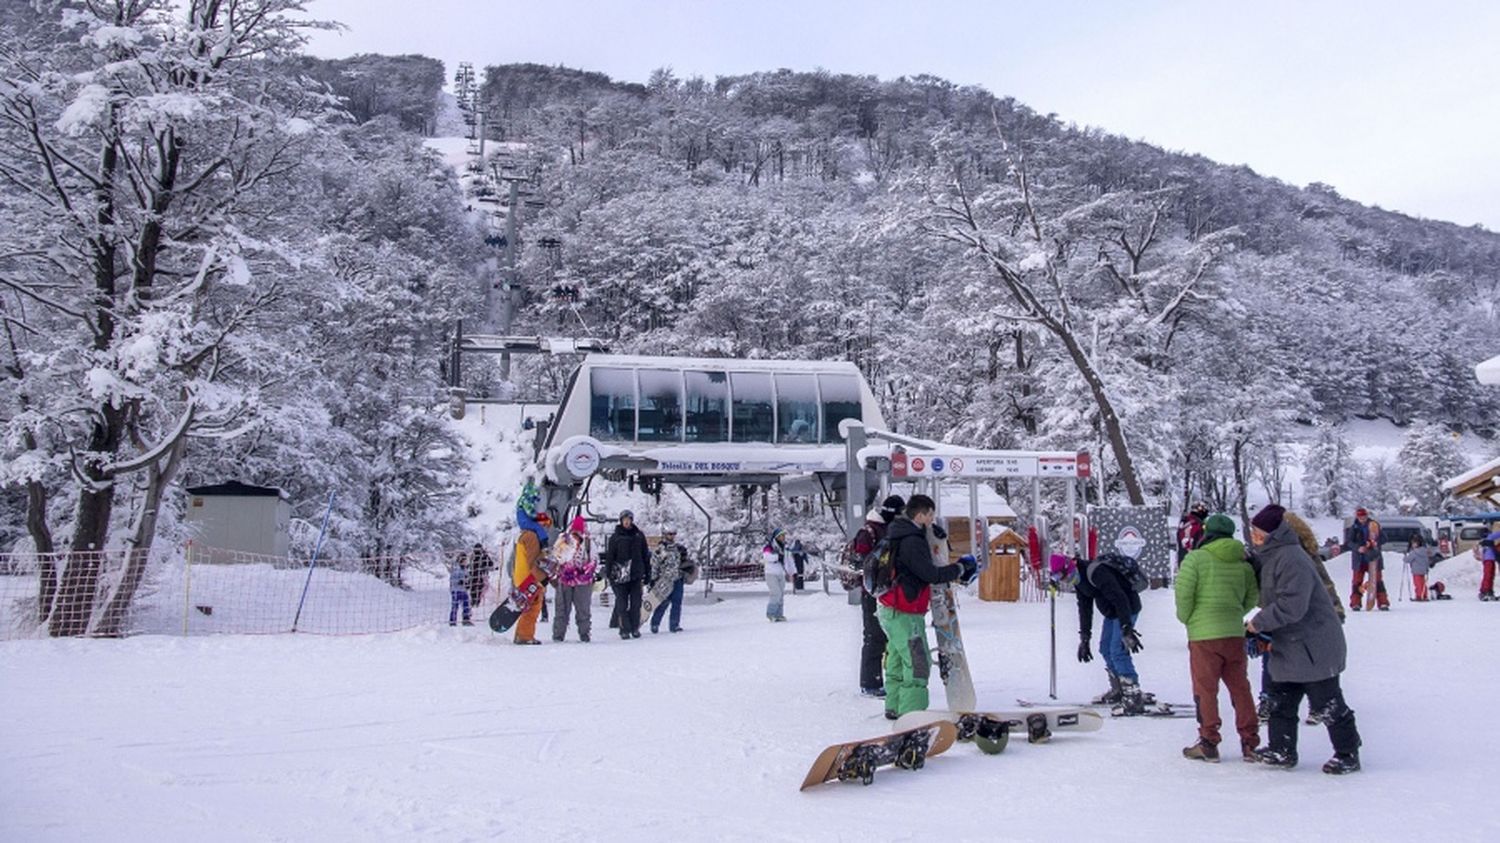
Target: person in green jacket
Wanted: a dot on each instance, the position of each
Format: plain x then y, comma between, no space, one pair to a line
1216,588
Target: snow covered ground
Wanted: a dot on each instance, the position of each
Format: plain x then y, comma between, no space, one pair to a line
455,734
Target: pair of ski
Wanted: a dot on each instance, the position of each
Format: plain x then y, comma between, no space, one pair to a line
919,735
1153,708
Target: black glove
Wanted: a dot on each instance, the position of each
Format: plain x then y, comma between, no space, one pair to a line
1131,639
970,568
1084,654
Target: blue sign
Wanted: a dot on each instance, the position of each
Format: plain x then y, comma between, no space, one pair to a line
937,464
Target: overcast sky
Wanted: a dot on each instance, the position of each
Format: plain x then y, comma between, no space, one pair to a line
1394,104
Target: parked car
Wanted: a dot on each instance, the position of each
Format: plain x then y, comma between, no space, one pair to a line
1460,533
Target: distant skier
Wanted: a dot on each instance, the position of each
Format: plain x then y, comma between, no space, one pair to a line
458,577
1190,529
1419,559
627,559
670,562
1489,552
903,606
1362,540
799,561
1215,589
1112,583
1307,650
856,556
778,569
480,565
575,581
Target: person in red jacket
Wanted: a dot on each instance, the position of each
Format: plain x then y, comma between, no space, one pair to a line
903,606
1190,530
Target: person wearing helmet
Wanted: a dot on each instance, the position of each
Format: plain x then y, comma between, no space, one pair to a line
860,552
1190,530
779,569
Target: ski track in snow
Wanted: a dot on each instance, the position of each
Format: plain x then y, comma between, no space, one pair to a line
459,735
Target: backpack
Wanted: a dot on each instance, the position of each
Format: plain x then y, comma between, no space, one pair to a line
880,568
1128,568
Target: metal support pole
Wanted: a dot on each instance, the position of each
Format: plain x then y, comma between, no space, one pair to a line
854,479
508,275
708,537
311,565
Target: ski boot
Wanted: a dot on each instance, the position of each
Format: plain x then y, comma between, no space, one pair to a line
1111,696
1263,708
1132,701
1486,596
1276,758
1342,764
991,736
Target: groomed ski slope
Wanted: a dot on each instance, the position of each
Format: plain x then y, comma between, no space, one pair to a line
456,734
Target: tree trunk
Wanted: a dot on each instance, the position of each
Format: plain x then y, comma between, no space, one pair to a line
1107,416
159,478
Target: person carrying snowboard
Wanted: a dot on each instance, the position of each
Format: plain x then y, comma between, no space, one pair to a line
627,560
1215,589
778,569
1306,651
904,603
575,581
856,556
1113,583
669,563
529,549
1362,540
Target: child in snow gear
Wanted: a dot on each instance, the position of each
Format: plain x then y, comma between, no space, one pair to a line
778,569
858,554
575,581
1113,583
1292,610
903,608
626,561
1419,560
1215,589
669,564
458,578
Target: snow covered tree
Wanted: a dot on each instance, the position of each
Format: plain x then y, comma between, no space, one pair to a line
1429,457
1325,473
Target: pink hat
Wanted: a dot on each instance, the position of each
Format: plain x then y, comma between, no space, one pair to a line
577,525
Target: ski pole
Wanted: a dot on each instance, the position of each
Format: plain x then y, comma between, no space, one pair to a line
1405,578
1052,600
313,563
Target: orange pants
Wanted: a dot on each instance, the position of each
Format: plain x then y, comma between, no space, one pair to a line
526,626
1419,586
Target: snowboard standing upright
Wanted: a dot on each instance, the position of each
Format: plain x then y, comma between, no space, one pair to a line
856,761
953,664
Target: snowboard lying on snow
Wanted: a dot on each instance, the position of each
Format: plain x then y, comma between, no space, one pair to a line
856,761
990,729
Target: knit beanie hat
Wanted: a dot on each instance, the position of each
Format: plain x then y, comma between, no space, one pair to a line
1269,518
1218,525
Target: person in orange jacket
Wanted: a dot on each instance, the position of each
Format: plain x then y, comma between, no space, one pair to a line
528,562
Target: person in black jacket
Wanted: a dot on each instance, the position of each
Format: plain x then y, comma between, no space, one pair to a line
1103,582
627,561
903,606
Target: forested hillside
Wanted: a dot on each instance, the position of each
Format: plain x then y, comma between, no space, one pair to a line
1003,278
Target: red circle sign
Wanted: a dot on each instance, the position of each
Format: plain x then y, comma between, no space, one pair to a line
917,464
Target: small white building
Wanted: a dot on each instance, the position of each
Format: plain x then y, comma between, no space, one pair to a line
237,518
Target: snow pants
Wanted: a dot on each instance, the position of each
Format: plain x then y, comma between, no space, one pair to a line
872,651
1324,697
1112,649
1373,568
776,588
1419,587
674,621
1487,580
577,599
1223,660
460,598
526,626
628,598
907,663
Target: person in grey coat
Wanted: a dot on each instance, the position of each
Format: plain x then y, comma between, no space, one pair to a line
1307,649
